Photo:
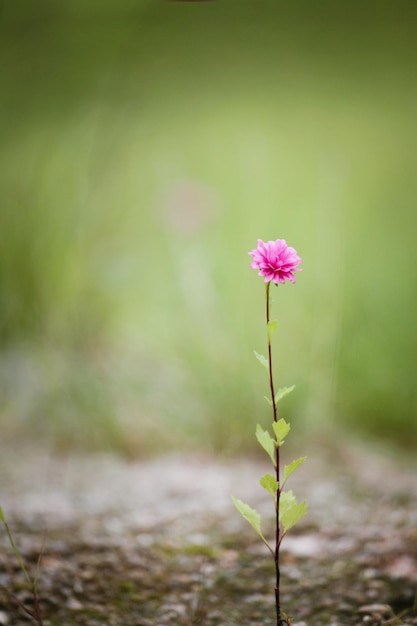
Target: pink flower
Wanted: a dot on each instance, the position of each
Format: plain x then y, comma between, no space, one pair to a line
275,260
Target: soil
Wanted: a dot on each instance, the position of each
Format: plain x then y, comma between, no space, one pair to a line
159,542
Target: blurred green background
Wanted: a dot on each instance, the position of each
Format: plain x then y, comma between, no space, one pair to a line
145,146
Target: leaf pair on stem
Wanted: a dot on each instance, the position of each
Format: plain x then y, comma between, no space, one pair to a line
290,511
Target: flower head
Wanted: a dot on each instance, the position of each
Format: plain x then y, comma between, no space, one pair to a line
275,260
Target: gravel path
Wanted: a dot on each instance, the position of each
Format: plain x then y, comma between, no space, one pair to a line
158,541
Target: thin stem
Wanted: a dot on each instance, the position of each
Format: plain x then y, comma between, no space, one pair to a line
36,615
17,554
271,378
280,621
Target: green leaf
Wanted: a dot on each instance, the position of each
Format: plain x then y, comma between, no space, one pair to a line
270,483
281,393
292,516
251,516
262,360
266,442
290,469
281,430
290,511
272,326
286,500
2,516
268,400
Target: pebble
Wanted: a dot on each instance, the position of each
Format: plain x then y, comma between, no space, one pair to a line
4,618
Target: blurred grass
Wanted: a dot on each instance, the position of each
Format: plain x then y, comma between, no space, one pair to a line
144,151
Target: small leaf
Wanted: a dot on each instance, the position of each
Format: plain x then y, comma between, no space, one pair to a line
272,326
249,514
281,430
266,442
281,393
290,511
270,483
268,400
290,469
252,516
2,516
262,360
286,501
293,515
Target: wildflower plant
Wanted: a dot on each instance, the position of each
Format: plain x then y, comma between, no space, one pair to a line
277,263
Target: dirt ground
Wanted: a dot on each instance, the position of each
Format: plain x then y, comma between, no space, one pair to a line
158,541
